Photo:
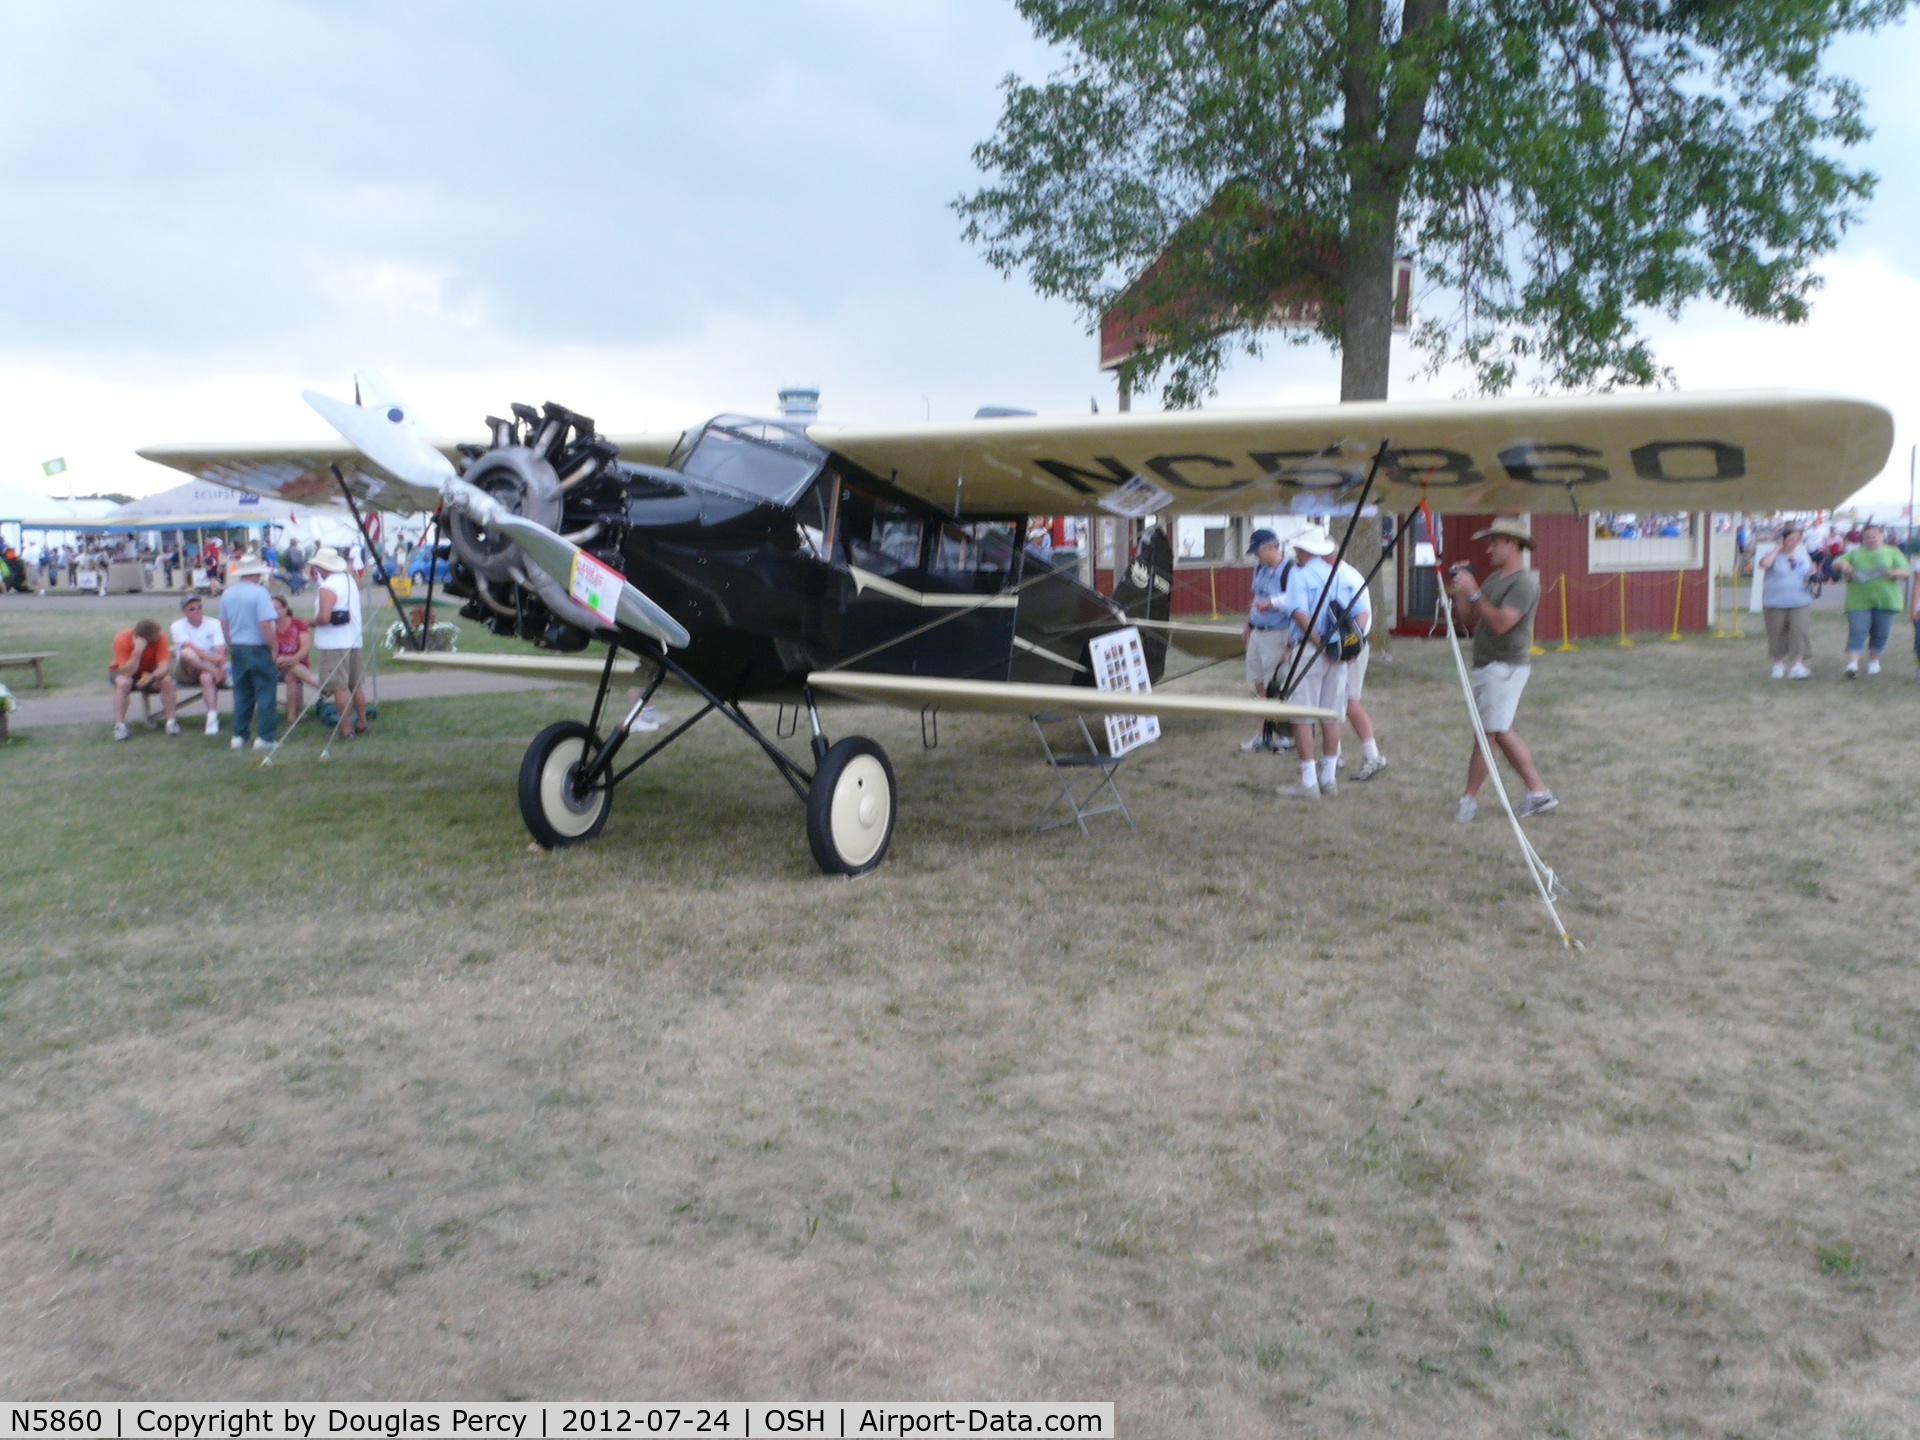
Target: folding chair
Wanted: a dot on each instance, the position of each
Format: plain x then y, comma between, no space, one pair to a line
1076,769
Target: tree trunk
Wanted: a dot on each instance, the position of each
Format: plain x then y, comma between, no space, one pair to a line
1366,320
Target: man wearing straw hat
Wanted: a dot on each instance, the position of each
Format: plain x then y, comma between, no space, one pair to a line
336,641
1501,613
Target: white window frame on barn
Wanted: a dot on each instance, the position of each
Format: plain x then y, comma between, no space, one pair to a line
1607,554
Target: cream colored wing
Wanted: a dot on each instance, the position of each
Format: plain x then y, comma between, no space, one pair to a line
1737,450
993,697
302,472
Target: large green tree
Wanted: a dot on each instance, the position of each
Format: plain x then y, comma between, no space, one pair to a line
1561,169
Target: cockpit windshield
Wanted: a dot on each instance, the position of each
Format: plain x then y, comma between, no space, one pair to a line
763,458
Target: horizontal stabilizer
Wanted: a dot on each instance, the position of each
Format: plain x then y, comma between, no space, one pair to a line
1197,637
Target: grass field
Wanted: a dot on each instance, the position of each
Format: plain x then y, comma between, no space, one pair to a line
317,1083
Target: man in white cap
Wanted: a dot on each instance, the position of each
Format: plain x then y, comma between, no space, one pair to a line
250,621
1323,681
1501,609
336,641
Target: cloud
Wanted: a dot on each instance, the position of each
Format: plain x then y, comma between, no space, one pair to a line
649,212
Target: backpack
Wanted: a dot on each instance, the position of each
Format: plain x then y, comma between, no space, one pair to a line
1345,639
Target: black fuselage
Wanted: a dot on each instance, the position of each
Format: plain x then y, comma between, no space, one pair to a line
781,558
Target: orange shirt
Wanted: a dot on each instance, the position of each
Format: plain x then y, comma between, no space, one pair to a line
152,661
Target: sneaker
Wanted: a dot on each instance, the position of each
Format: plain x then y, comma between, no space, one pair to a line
1329,788
1780,670
1852,671
1466,809
1799,672
1257,745
213,722
1873,667
173,727
1282,744
119,732
1535,804
260,744
238,742
1372,768
1299,791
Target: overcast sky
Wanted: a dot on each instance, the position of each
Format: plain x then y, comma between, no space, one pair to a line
649,212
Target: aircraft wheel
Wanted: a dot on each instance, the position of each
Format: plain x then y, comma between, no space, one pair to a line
851,808
556,811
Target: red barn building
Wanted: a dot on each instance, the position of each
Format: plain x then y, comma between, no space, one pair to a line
1596,559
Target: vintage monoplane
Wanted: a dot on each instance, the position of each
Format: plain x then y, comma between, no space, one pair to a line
765,559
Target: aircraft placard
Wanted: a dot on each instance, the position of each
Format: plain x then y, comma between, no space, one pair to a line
596,586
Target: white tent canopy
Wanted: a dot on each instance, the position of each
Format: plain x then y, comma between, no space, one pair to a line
198,504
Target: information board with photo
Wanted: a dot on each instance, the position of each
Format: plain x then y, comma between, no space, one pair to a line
1120,663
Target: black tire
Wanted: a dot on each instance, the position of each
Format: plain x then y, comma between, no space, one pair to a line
556,813
851,807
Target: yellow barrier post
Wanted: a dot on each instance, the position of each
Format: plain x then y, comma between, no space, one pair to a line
1679,586
1566,643
1625,643
1213,592
1719,611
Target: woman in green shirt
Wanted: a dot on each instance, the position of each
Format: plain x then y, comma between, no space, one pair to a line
1873,571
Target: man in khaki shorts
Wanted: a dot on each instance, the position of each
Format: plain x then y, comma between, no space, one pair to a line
1323,681
336,656
1501,609
1267,627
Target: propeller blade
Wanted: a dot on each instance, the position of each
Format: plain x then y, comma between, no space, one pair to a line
387,436
634,608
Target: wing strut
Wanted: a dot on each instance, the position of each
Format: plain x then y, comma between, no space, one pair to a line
373,556
1295,671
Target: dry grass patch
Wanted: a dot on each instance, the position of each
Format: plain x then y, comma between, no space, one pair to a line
1258,1123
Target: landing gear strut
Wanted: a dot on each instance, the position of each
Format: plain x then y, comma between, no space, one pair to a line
567,777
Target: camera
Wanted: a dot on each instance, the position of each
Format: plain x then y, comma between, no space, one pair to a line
1457,567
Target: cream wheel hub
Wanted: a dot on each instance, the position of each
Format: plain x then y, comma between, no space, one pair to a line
861,803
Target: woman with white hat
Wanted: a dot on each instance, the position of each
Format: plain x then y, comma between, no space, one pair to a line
337,657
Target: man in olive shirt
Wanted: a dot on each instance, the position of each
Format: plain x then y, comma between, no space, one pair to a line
1501,613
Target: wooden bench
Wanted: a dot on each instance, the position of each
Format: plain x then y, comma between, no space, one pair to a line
33,658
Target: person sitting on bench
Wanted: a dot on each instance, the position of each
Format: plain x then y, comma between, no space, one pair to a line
200,656
140,663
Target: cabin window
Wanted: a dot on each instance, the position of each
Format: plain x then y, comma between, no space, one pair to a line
813,517
756,457
976,555
878,535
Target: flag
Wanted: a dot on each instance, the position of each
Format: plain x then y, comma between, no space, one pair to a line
53,467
